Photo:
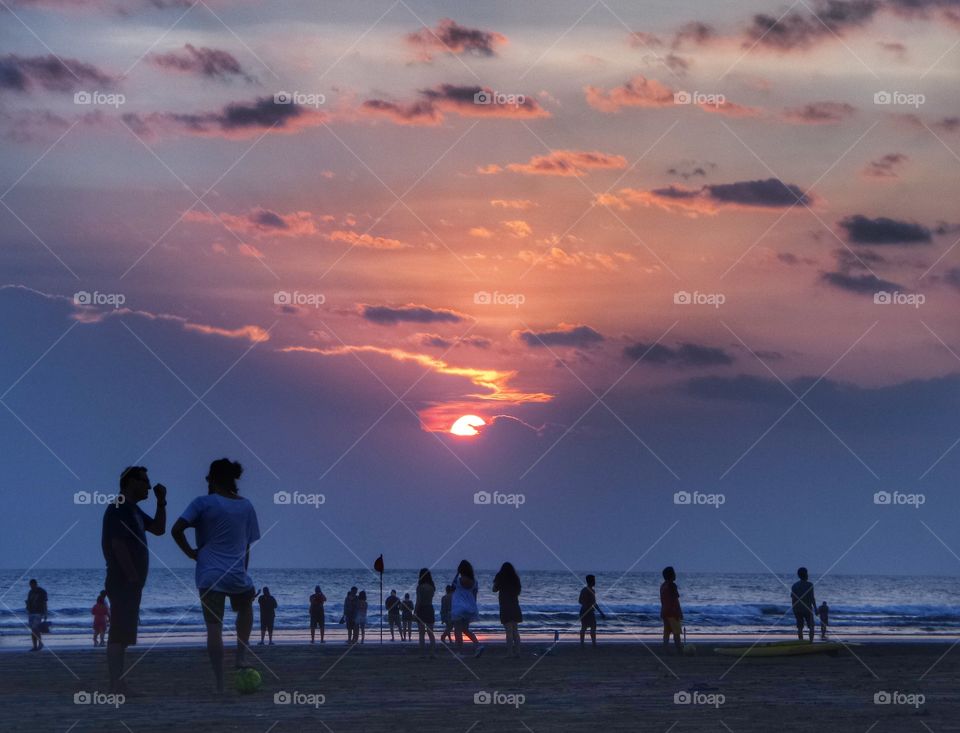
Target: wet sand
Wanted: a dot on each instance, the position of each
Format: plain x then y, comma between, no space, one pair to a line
616,687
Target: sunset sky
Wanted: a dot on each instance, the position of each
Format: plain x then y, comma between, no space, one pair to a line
650,244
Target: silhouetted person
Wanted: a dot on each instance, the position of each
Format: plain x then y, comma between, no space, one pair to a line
801,596
225,526
670,610
268,614
445,604
361,620
423,610
124,545
507,584
349,617
463,607
824,613
406,611
317,615
36,613
392,605
101,619
589,610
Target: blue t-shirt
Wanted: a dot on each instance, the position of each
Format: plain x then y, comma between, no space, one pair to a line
225,528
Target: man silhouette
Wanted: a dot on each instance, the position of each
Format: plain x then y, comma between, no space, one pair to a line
801,596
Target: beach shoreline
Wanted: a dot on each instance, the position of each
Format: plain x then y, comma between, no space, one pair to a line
613,687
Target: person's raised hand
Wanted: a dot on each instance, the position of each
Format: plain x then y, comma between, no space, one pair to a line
160,491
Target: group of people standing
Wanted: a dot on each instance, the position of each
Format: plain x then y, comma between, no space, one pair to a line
225,526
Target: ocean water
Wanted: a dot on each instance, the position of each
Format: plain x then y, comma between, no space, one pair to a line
713,603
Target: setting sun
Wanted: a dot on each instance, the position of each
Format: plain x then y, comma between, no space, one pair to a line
467,425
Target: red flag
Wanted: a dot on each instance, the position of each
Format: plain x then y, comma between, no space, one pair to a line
378,564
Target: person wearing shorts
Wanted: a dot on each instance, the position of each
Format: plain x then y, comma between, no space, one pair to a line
225,525
124,545
803,602
316,613
588,610
36,613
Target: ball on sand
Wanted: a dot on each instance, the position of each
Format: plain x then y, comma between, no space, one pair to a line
248,681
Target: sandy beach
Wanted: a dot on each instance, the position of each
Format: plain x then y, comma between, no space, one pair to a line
619,687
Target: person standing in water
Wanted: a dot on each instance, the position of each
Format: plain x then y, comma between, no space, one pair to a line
589,610
445,619
507,584
316,613
423,610
670,611
804,603
463,607
824,613
36,613
392,605
101,618
361,620
225,526
123,541
268,614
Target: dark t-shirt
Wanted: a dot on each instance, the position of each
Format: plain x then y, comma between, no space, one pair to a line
37,600
125,522
801,596
407,606
268,606
588,601
393,605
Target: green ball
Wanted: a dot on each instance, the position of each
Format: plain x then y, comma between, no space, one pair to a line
248,681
